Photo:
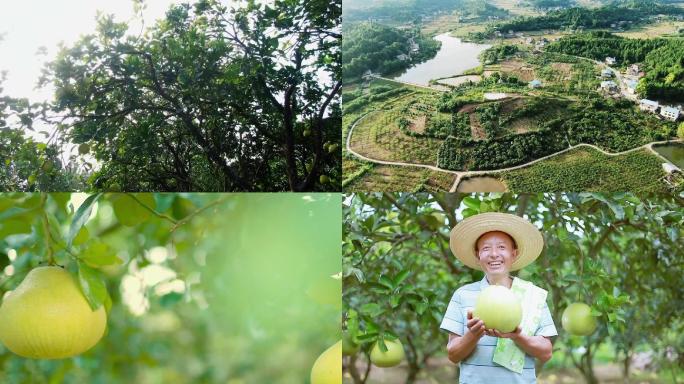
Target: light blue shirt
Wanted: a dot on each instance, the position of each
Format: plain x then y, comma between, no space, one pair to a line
479,367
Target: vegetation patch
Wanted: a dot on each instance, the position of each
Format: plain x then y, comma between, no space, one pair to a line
585,169
389,178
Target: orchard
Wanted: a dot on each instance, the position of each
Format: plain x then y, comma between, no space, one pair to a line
169,288
612,266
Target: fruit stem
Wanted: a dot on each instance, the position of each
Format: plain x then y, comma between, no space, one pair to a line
46,229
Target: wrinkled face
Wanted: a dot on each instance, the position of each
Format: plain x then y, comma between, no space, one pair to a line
496,252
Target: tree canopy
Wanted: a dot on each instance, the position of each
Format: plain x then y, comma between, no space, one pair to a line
379,48
209,98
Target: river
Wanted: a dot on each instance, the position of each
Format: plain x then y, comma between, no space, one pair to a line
454,57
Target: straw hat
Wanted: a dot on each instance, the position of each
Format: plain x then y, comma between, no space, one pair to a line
527,237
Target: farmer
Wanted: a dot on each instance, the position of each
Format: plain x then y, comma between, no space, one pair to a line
498,243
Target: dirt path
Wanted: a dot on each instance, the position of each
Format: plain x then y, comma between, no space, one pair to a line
441,370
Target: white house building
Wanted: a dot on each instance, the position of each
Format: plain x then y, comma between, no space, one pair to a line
669,113
610,60
648,105
606,73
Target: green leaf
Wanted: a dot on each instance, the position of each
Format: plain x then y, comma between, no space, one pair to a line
371,309
81,217
472,203
384,280
14,226
82,236
129,209
394,301
98,254
401,276
170,299
92,285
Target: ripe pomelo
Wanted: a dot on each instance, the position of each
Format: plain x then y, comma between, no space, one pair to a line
577,319
391,358
499,308
47,317
328,367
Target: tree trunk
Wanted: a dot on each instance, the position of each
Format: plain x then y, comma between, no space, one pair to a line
354,372
587,367
626,365
412,374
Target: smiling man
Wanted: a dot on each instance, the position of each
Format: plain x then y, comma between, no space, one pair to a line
498,243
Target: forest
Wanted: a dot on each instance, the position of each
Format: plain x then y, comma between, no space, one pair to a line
661,59
635,12
402,11
376,47
209,98
546,4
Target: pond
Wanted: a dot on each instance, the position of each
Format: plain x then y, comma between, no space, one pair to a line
481,184
454,57
673,152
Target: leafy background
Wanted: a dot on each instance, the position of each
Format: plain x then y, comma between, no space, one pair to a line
230,288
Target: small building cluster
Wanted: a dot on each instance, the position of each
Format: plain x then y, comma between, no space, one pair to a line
611,60
609,86
666,111
536,83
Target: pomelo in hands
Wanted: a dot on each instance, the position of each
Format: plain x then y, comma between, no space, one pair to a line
577,320
499,308
391,358
328,367
47,317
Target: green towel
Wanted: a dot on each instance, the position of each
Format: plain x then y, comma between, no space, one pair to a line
532,299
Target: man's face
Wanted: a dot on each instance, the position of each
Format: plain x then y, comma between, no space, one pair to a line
496,252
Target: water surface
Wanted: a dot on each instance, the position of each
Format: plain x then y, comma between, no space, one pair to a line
454,57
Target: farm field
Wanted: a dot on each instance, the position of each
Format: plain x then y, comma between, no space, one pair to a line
586,169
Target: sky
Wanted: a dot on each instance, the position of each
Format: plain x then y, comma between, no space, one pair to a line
27,25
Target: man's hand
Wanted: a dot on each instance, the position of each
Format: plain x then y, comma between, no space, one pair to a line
475,325
509,335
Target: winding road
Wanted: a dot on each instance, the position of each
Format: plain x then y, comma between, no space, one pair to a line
462,174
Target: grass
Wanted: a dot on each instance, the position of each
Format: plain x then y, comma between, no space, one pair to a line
586,169
650,31
379,137
389,178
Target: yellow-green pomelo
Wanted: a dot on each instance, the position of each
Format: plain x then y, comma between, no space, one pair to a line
47,317
324,179
577,319
499,308
328,367
391,358
349,347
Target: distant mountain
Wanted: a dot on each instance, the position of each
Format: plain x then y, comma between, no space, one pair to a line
408,10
